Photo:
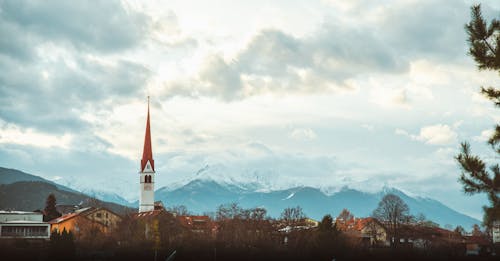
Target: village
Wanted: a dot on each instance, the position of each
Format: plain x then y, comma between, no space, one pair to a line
157,231
99,231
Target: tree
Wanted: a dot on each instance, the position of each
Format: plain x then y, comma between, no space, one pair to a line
392,211
459,230
327,241
179,210
344,219
484,42
50,212
228,211
476,230
292,216
62,245
326,224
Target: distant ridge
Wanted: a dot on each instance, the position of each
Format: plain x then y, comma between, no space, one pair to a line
23,191
206,195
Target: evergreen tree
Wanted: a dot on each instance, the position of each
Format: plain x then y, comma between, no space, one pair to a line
484,41
50,211
327,241
327,225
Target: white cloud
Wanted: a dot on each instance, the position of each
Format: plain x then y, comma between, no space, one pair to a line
12,134
438,134
485,135
304,134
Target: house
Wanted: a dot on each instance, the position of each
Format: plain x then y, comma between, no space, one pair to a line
66,209
156,225
86,222
23,224
477,245
198,224
369,231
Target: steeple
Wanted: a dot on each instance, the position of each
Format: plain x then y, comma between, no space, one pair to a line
147,153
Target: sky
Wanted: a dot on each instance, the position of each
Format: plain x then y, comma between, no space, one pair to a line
329,94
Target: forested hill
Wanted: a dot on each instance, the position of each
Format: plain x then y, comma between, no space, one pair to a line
31,195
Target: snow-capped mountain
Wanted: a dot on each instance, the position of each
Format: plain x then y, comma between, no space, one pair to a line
206,195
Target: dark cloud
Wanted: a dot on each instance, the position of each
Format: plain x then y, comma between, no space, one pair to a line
103,26
221,78
390,39
270,52
275,61
52,96
426,29
51,92
14,43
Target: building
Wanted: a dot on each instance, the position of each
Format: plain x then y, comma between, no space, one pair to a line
496,232
147,173
22,224
86,222
198,224
374,230
477,245
150,224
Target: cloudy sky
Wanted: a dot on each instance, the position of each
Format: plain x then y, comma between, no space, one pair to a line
281,93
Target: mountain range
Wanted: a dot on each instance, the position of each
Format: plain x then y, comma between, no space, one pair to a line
23,191
201,196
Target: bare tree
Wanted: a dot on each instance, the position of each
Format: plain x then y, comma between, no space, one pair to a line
179,210
292,216
393,212
344,219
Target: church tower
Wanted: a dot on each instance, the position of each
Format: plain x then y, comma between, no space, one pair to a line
147,173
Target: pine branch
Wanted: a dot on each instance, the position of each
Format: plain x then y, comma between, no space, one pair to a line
492,94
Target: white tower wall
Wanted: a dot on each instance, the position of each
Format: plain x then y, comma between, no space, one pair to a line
147,198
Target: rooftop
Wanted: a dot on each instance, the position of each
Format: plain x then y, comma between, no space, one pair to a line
15,212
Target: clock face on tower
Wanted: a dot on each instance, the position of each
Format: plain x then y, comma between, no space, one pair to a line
148,187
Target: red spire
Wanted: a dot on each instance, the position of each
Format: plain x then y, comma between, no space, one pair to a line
147,153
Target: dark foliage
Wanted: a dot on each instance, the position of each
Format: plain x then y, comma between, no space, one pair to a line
476,177
50,212
62,246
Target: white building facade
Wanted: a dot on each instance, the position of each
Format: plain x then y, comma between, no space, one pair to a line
23,225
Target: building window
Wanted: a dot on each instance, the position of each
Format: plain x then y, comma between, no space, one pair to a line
98,215
24,231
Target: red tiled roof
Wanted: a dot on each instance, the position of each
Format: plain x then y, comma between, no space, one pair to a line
147,153
147,214
69,216
196,222
477,240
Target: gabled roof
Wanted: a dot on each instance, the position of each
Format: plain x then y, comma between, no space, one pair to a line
147,153
188,220
360,223
80,212
70,215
